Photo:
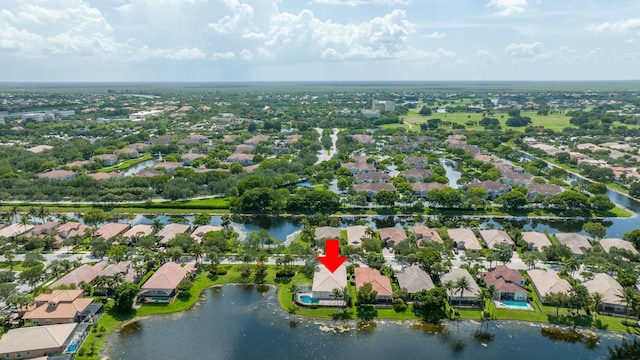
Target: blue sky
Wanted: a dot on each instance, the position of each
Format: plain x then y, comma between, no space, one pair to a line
329,40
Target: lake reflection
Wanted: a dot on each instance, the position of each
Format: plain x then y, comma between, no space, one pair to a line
244,322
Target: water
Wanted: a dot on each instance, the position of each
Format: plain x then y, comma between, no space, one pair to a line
452,174
242,322
139,167
308,299
515,304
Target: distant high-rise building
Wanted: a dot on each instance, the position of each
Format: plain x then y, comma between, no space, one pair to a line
385,105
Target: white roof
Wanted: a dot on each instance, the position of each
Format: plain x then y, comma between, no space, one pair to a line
495,237
355,235
14,230
170,231
414,279
538,239
548,282
607,286
140,228
454,275
576,242
326,281
607,244
36,338
465,236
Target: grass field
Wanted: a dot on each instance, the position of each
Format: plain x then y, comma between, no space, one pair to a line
126,164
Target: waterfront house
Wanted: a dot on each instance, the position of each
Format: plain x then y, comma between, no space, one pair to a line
128,152
464,239
421,189
85,273
161,286
190,157
373,188
36,342
466,298
494,238
40,230
537,241
414,279
102,176
324,281
168,166
59,307
199,232
138,231
62,175
111,230
69,230
576,242
13,230
494,189
508,282
355,234
105,159
392,235
546,190
423,233
610,290
170,231
610,243
380,283
327,232
545,282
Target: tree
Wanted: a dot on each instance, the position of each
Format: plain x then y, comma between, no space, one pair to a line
428,258
579,297
336,293
10,255
202,219
492,256
512,200
32,259
530,259
94,217
184,286
557,252
628,296
32,275
386,198
431,304
366,295
597,302
425,111
124,295
157,225
505,253
596,230
461,285
557,299
571,265
626,351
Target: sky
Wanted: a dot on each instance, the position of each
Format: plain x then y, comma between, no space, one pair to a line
318,40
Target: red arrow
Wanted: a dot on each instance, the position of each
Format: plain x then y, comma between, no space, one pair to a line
332,260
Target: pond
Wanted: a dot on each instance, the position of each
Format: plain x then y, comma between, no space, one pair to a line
246,322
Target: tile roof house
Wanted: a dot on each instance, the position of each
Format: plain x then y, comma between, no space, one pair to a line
543,189
324,281
576,242
417,174
69,230
256,139
48,228
392,235
13,230
106,159
545,282
417,162
608,244
355,234
467,298
364,139
61,175
359,167
516,179
536,240
85,273
168,166
414,279
149,173
465,239
59,307
138,231
424,233
199,232
375,177
494,189
161,286
373,188
609,288
36,342
245,159
190,157
508,282
111,230
494,238
123,267
380,283
129,152
421,189
170,231
327,232
101,176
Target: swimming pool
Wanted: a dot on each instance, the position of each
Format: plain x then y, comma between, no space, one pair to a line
515,305
306,299
73,347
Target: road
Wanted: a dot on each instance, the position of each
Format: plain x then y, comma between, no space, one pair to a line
324,155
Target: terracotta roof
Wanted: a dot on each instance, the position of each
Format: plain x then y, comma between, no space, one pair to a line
465,236
168,276
86,273
392,234
505,279
423,232
111,229
57,174
59,306
495,237
105,175
380,283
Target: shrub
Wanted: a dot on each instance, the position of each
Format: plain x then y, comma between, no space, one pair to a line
399,305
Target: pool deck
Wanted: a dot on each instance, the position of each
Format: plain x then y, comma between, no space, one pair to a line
500,305
321,302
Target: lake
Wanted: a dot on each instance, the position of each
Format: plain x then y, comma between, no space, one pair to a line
246,322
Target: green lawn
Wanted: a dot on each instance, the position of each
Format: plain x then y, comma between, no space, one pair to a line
126,164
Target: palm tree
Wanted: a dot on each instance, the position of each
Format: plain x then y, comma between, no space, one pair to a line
24,221
197,251
157,225
627,297
596,302
369,232
448,287
336,294
492,291
64,218
43,212
293,288
117,279
14,213
571,265
462,285
33,212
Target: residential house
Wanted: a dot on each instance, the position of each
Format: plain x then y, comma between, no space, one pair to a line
59,307
424,233
467,297
413,175
355,234
373,188
125,268
608,244
190,157
327,232
170,231
256,139
414,279
194,139
516,178
380,283
40,230
36,342
416,162
106,159
168,166
324,281
244,149
149,173
545,282
576,242
610,290
102,176
392,235
537,241
161,286
508,282
13,230
464,239
62,175
128,152
421,189
138,231
375,177
39,148
493,238
111,230
547,190
244,159
199,232
85,273
69,230
494,189
364,139
359,167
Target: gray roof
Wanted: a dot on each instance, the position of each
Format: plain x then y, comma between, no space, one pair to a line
414,279
36,338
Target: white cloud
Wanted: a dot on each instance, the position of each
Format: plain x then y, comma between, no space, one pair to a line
484,56
246,54
434,35
623,25
508,7
240,21
223,56
146,53
360,2
524,50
